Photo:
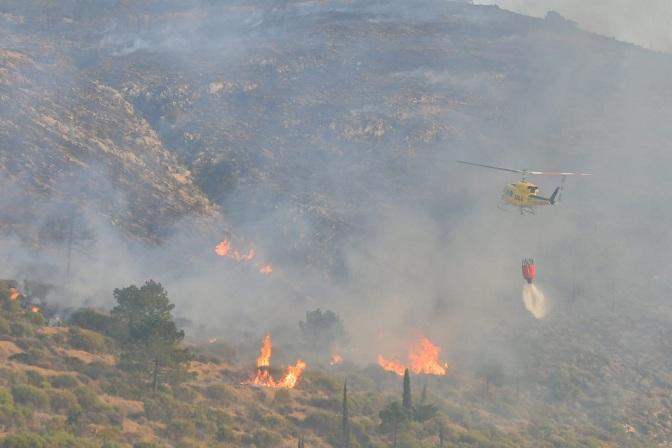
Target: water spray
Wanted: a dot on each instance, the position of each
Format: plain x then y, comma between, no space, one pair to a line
533,298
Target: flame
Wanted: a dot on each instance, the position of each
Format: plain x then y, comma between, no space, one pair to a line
264,378
212,340
423,358
35,309
224,249
391,365
264,359
336,359
14,294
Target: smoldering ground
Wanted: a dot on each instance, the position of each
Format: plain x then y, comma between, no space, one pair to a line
414,242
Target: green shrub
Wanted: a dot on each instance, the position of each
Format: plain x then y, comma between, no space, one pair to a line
282,397
64,401
62,439
20,329
37,319
5,327
99,322
180,428
185,393
87,398
264,438
121,387
95,370
35,378
219,392
30,396
24,440
111,444
64,381
329,404
6,398
87,340
323,422
224,434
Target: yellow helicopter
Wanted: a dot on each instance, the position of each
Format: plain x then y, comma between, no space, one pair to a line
524,194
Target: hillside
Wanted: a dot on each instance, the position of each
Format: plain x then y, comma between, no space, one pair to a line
268,160
63,386
301,119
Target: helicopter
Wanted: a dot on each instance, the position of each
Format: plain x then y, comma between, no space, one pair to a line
524,194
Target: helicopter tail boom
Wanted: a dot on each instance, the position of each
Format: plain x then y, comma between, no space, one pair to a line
552,200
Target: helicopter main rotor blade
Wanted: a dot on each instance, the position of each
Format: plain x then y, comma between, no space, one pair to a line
492,167
554,173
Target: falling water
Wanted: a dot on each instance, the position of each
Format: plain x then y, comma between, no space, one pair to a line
535,301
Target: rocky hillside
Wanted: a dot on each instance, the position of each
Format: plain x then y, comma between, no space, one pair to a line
301,116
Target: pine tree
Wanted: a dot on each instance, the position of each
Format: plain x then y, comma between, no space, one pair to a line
346,418
152,343
407,401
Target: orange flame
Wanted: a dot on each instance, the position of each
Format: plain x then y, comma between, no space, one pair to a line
264,359
35,309
224,249
391,365
336,359
14,294
263,377
423,358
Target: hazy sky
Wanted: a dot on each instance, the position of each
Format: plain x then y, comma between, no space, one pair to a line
645,23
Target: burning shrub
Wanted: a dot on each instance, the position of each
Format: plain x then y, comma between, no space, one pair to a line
264,378
423,358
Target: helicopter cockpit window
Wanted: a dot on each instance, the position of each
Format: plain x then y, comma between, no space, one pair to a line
532,189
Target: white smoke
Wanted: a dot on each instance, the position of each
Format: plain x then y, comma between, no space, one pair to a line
535,301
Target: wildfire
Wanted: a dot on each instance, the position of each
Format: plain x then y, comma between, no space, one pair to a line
35,309
391,365
423,357
14,294
336,359
224,249
212,340
264,378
